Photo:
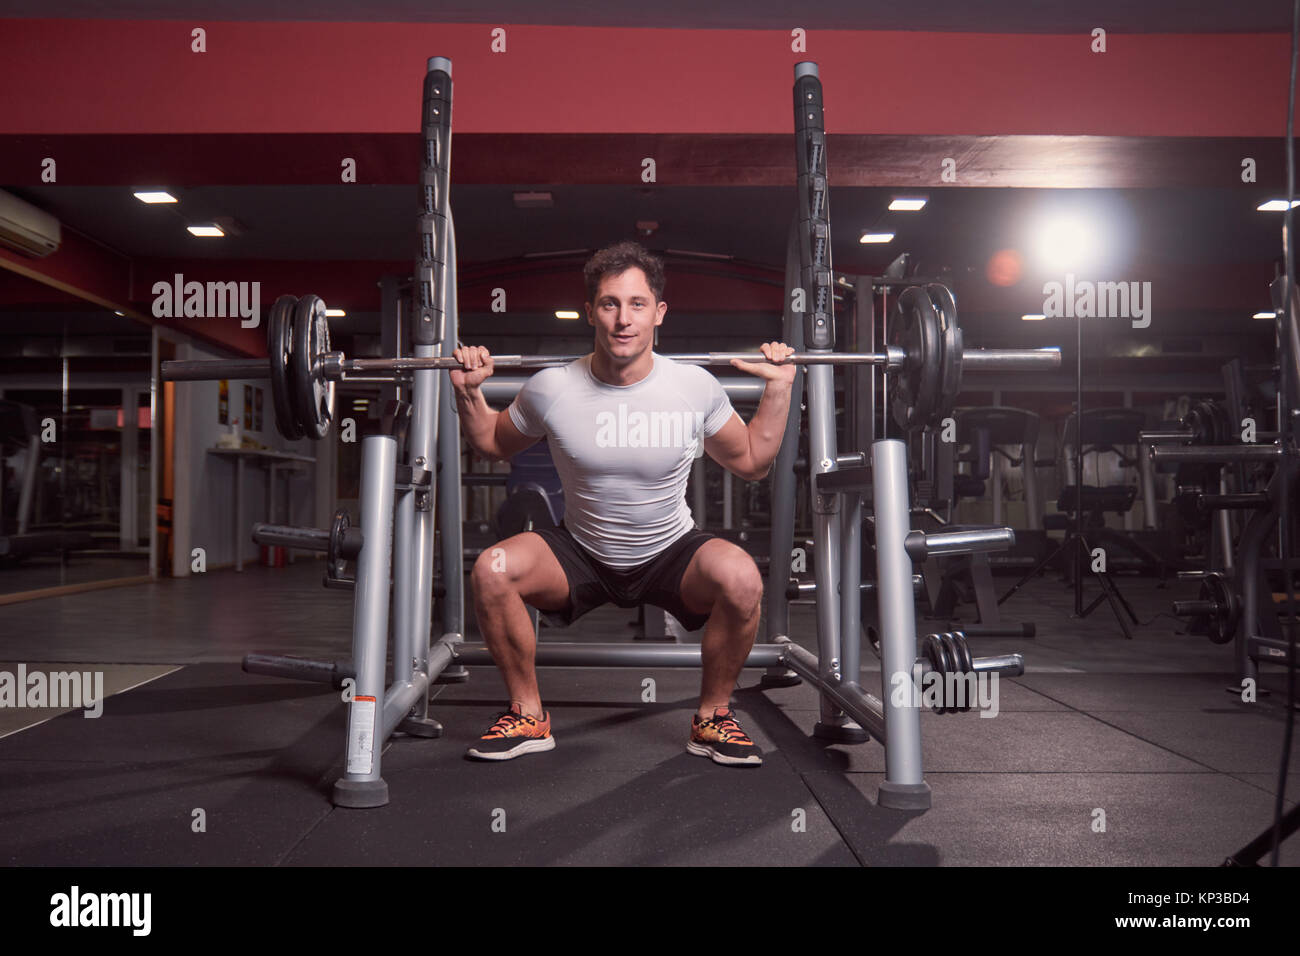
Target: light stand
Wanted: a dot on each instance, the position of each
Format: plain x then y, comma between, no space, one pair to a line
1075,546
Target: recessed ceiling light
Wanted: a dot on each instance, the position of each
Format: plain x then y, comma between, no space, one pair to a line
566,315
1276,205
206,232
902,204
877,237
154,197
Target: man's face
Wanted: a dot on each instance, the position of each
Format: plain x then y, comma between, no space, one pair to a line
625,315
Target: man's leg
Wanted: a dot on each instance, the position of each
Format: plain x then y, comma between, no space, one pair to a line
723,582
508,576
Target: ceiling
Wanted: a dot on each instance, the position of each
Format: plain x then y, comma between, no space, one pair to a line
958,227
1198,231
958,230
1005,16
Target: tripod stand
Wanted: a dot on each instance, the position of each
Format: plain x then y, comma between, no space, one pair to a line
1075,546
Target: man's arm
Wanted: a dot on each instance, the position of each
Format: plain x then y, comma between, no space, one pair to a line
490,433
748,451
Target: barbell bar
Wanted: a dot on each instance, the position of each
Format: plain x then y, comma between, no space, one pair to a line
927,360
334,365
176,371
1214,454
1005,359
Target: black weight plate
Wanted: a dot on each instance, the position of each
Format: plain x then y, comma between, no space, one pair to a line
342,521
1209,423
951,388
1222,625
279,347
960,666
916,386
950,378
917,332
1206,426
1214,623
903,333
325,389
1198,423
945,306
312,395
940,663
932,651
965,660
950,666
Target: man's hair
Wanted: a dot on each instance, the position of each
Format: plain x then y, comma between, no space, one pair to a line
616,260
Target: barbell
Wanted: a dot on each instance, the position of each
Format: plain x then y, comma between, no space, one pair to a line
925,355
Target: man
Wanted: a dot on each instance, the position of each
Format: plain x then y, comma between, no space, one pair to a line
624,426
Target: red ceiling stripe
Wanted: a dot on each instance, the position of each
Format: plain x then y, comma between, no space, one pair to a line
119,76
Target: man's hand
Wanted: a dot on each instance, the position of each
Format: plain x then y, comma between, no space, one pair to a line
476,367
776,352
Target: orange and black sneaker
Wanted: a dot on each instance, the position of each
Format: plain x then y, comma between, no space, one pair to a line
513,735
720,738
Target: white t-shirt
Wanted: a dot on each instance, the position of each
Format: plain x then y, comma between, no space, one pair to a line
624,452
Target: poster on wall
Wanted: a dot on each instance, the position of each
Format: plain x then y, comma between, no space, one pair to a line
223,402
248,407
257,409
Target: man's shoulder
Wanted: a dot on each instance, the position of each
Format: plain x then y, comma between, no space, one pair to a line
685,369
694,375
555,377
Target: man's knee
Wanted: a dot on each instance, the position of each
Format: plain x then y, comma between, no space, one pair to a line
491,574
740,586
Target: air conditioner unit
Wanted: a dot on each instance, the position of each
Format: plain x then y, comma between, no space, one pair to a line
27,229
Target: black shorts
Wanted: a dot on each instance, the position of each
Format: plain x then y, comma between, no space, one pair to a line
591,583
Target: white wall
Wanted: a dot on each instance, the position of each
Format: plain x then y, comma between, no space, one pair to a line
204,493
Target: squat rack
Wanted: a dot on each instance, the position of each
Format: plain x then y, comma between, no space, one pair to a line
412,463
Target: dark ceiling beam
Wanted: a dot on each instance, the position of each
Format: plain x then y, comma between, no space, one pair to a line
91,274
18,290
695,159
80,270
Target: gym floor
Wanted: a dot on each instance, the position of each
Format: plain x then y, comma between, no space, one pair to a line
1140,736
41,571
